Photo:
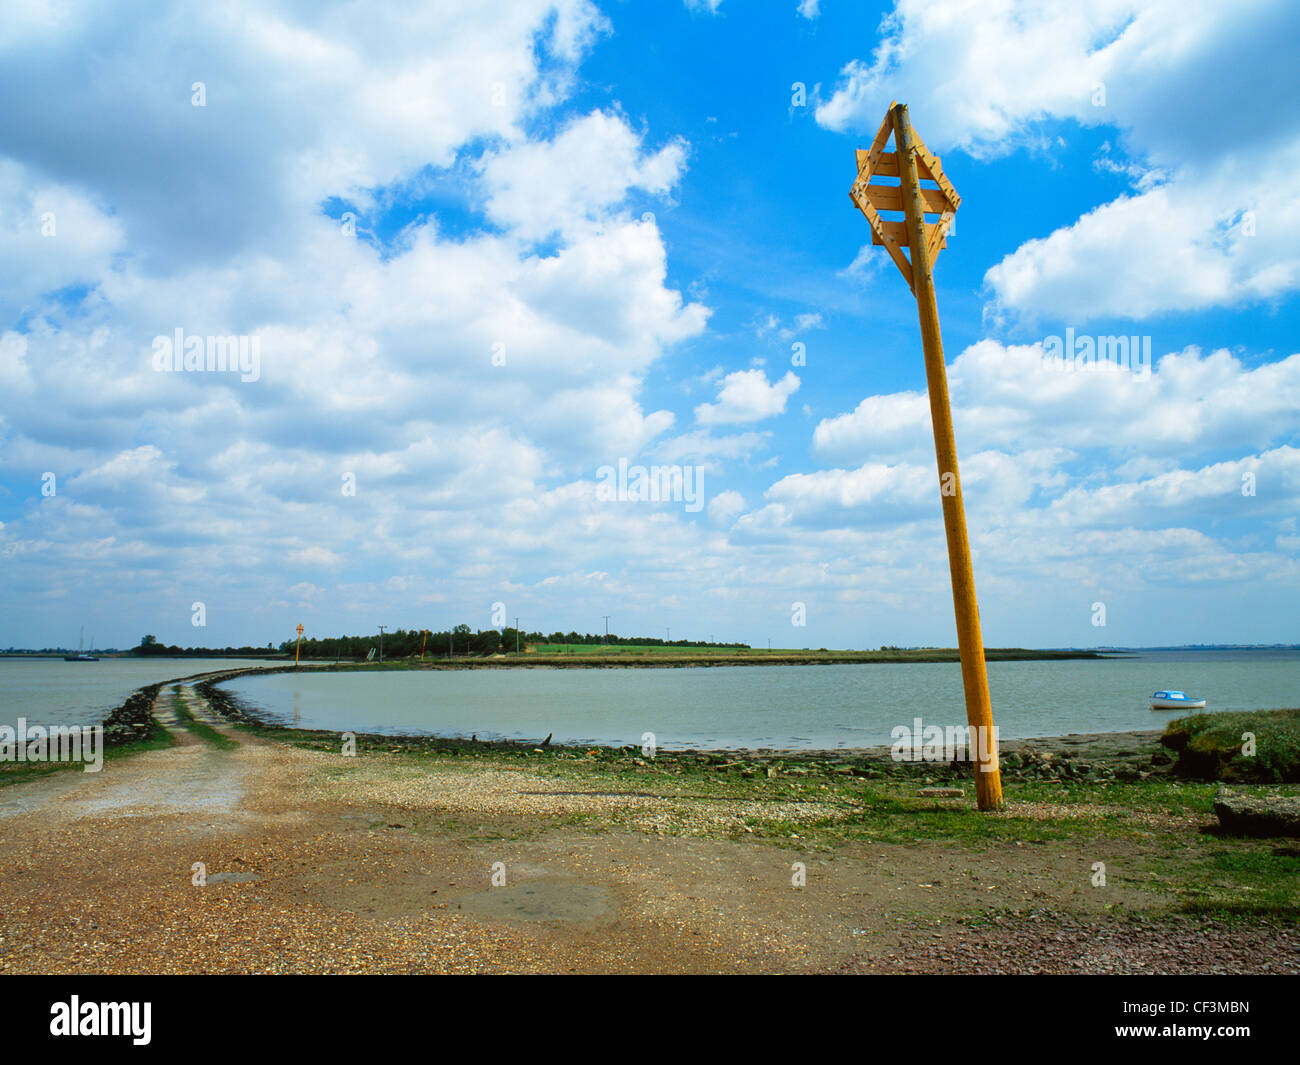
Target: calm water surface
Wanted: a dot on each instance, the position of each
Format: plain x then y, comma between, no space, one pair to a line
770,706
52,691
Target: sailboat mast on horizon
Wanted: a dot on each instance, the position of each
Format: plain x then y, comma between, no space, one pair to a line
81,655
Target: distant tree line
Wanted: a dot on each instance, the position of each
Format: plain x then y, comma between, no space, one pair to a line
591,639
149,646
462,640
408,643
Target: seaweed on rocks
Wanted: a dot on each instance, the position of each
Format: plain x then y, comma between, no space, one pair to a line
133,720
227,704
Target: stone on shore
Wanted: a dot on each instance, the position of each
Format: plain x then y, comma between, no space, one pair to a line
1258,815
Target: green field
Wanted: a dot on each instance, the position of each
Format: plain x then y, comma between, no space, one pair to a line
635,648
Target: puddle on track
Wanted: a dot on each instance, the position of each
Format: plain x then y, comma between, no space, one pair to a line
542,900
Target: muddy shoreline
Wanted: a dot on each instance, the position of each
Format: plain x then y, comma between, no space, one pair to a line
632,660
1129,755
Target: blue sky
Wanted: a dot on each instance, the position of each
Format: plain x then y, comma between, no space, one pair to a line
485,254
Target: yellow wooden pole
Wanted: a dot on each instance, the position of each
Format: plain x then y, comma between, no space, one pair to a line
970,642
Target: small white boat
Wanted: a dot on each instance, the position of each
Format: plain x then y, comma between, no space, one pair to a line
1172,700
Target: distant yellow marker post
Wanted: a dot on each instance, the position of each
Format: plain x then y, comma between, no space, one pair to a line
298,644
424,636
910,163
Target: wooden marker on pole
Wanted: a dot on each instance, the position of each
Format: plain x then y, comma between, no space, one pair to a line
297,645
911,163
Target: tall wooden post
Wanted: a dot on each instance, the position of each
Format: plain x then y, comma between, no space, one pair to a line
923,241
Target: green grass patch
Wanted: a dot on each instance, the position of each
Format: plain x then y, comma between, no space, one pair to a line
636,649
1218,746
1224,878
1252,880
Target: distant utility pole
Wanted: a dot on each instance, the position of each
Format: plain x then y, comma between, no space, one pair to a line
516,635
911,162
668,635
606,617
381,642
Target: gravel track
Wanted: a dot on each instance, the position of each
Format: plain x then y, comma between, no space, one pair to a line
309,861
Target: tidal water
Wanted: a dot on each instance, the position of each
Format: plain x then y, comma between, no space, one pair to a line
50,691
805,707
